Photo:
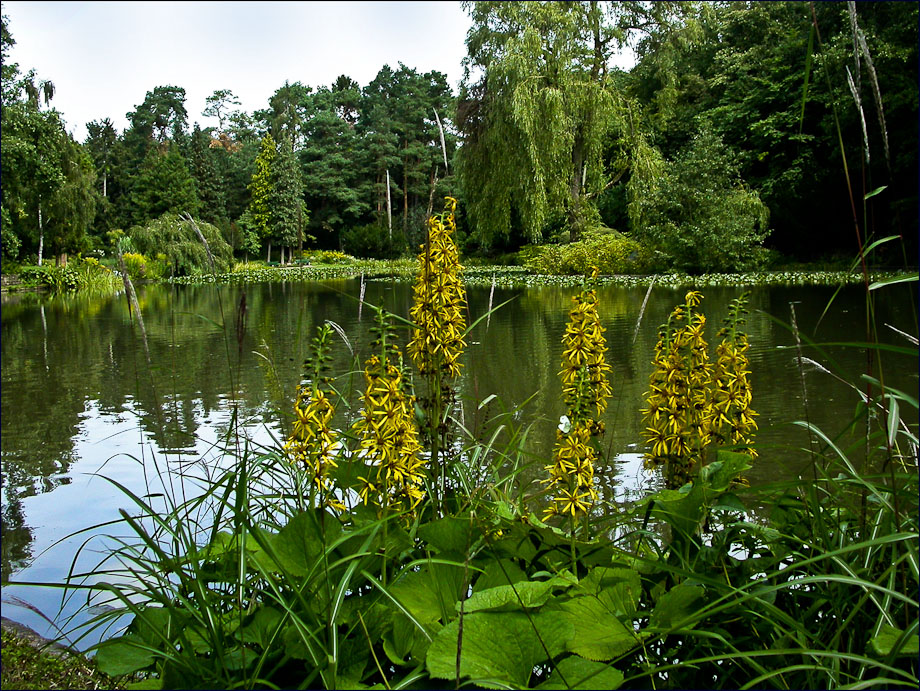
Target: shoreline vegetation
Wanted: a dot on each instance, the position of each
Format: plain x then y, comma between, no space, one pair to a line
502,276
406,548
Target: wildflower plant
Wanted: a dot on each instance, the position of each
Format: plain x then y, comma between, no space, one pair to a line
679,399
313,443
388,441
439,301
732,422
585,389
439,325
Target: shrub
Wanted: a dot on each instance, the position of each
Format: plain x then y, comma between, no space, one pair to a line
93,275
328,257
136,265
609,251
33,275
9,241
701,214
373,240
59,279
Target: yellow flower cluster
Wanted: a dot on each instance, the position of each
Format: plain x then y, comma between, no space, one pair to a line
691,402
571,476
732,416
584,368
440,300
679,398
585,389
313,443
388,440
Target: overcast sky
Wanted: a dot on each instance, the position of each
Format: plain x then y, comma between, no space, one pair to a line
103,57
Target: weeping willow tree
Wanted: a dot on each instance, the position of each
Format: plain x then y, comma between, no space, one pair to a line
175,238
542,108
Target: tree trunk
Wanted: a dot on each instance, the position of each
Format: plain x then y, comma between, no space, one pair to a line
41,234
434,183
389,207
268,257
300,228
62,259
443,145
406,193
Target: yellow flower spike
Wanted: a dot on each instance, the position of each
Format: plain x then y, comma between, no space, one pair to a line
387,434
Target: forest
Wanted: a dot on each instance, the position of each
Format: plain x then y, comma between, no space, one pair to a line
748,135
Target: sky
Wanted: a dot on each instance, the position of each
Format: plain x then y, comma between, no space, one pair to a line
103,57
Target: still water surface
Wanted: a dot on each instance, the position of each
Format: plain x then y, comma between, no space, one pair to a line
79,400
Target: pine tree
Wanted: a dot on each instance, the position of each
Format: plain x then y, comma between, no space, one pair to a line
285,196
209,184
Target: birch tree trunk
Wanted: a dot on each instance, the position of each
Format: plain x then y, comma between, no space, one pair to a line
389,207
41,234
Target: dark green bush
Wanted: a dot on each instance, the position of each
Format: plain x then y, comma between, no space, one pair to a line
373,241
702,215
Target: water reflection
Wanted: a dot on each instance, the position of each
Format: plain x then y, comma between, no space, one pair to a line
78,396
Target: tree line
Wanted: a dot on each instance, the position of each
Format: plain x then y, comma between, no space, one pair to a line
745,131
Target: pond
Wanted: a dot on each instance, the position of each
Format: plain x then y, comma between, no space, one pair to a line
79,400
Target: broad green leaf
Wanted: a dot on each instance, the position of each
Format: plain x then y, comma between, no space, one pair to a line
294,644
575,672
884,642
498,647
766,533
729,502
675,606
153,625
148,684
239,658
200,644
451,534
261,630
726,468
499,572
514,597
299,544
684,511
429,592
618,589
597,633
123,655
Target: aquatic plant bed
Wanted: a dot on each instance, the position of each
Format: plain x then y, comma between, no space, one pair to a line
516,276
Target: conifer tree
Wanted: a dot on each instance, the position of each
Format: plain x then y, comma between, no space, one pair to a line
261,188
285,196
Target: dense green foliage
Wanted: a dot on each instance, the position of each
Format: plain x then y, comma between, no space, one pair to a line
701,215
177,240
48,201
743,126
610,252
